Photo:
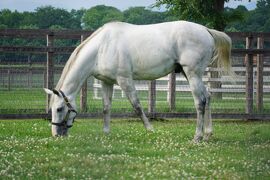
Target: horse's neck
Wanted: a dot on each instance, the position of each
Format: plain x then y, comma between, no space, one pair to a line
81,68
73,83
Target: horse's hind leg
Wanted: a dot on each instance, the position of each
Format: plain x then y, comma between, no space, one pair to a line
128,87
107,90
200,100
207,119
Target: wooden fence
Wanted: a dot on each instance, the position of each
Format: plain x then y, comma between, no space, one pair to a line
254,53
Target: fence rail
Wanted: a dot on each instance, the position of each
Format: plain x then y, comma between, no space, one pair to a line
43,33
62,50
253,84
37,50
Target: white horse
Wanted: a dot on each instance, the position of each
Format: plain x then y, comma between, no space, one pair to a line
119,53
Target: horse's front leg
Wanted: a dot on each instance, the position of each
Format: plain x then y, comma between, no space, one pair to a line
107,90
128,87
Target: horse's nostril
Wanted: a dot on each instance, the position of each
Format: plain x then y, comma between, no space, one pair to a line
56,131
65,132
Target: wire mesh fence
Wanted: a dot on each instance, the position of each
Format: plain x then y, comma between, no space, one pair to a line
22,92
24,74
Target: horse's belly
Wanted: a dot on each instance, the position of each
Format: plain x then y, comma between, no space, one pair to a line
150,71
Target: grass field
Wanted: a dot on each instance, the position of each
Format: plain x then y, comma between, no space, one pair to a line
238,150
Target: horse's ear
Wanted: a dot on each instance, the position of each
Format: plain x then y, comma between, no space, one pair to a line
48,91
51,92
56,92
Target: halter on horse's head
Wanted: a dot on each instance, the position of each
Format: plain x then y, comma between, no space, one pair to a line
63,113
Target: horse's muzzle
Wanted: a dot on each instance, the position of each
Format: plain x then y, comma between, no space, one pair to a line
58,131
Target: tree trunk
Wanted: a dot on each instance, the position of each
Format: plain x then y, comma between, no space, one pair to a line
219,21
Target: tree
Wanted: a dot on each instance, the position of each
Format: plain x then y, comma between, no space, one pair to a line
28,20
207,12
234,25
10,19
97,16
141,15
48,16
257,20
42,18
76,16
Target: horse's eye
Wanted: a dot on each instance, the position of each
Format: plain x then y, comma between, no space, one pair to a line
59,109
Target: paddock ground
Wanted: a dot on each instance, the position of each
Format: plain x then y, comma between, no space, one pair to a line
238,150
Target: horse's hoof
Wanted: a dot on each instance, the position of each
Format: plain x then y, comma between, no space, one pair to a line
207,136
150,129
106,130
197,139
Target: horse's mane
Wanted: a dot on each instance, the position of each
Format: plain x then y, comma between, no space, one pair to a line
71,61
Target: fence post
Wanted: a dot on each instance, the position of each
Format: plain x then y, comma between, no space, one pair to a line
259,94
171,92
30,72
83,94
9,78
249,76
152,98
45,76
50,64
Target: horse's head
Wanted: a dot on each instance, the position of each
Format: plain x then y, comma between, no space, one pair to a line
63,113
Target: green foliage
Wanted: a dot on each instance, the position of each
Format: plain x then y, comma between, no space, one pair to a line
76,18
257,20
210,13
30,26
28,21
44,17
141,15
48,16
10,19
240,12
99,15
56,27
3,26
238,150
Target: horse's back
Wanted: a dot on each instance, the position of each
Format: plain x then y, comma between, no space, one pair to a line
168,37
148,51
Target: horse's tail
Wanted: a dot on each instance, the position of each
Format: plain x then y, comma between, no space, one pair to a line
222,52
